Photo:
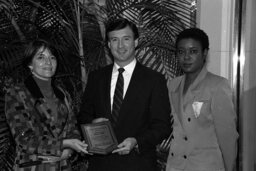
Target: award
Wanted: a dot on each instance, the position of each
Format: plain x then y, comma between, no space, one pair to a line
99,137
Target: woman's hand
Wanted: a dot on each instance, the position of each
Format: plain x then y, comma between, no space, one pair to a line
75,144
66,153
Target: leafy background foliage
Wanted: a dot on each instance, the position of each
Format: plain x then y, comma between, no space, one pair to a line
77,29
159,22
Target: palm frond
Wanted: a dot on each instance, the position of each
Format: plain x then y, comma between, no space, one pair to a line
7,145
159,22
77,29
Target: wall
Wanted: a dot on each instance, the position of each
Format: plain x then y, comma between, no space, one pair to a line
215,17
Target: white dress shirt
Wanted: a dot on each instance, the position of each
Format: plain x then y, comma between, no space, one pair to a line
127,74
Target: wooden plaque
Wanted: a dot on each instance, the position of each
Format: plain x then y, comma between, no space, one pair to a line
99,137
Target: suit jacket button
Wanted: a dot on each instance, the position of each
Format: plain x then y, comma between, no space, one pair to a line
185,156
185,138
189,119
172,154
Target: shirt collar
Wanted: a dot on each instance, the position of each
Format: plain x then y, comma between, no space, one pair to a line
128,68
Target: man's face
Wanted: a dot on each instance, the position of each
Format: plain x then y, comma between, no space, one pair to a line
191,55
122,45
43,64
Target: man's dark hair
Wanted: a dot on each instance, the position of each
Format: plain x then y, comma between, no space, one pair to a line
196,34
119,24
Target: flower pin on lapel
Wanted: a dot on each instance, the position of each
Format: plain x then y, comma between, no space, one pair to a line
197,108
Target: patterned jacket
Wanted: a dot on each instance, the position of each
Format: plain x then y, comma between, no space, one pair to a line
35,130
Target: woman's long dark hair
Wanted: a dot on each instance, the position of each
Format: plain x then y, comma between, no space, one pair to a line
34,46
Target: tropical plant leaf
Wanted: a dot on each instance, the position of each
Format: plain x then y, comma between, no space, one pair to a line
159,22
7,145
77,28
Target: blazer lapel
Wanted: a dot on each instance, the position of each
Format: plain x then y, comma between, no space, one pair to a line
45,117
41,106
33,88
195,86
176,98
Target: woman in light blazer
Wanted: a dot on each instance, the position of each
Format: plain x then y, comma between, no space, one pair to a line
204,129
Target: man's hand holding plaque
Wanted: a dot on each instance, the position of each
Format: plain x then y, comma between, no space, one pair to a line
99,136
126,146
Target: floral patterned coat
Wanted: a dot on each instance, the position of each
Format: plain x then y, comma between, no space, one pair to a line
35,130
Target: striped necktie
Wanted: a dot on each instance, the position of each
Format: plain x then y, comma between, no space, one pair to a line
118,96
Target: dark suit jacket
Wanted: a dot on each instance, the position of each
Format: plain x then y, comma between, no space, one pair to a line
144,114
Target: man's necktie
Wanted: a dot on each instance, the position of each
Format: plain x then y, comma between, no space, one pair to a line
118,96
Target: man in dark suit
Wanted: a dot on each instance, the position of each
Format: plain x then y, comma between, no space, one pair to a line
143,120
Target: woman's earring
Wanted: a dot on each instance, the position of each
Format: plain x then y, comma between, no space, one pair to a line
31,68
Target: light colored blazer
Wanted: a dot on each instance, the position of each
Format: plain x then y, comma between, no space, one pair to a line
204,129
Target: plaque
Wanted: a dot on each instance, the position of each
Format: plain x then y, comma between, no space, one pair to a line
99,137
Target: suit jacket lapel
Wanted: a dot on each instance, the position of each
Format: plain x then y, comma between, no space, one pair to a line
134,87
106,82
